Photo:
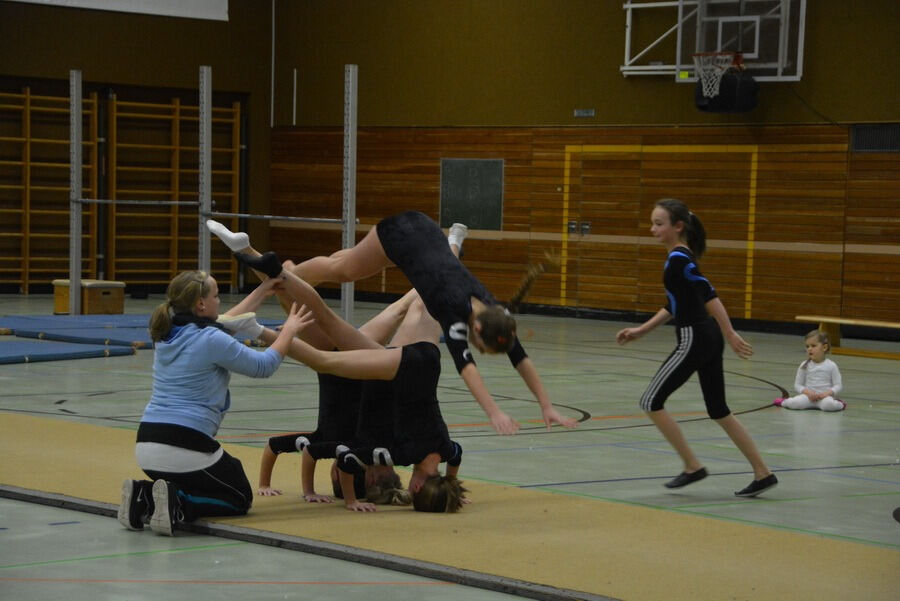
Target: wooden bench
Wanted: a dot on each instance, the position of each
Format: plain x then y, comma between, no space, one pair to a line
832,327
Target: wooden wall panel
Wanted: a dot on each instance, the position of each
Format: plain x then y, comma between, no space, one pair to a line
872,261
795,222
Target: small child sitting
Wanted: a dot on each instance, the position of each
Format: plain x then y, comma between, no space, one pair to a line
818,380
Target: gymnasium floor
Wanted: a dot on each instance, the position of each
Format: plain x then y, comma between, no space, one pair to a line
829,521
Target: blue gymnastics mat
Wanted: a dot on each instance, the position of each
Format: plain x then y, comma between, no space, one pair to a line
29,351
134,337
108,330
61,322
115,330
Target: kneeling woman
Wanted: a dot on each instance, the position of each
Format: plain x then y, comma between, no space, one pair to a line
194,476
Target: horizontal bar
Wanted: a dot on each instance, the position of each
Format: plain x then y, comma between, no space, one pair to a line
105,201
273,217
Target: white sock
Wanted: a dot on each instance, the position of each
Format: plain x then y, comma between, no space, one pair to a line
243,325
236,241
457,234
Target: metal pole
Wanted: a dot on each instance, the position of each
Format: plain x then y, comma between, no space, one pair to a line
75,134
272,74
351,75
204,168
294,100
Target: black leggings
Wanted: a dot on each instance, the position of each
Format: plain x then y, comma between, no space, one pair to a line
699,350
221,489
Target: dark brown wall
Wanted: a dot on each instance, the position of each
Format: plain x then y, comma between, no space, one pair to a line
531,62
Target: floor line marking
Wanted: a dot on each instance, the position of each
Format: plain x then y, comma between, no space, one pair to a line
220,582
789,469
116,555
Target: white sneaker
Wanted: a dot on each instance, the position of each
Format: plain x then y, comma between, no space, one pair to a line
236,241
457,235
135,505
166,508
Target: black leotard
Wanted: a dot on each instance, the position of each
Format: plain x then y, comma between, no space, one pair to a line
416,244
374,425
700,342
418,426
339,402
686,288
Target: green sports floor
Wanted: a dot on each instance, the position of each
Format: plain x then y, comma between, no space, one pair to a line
827,531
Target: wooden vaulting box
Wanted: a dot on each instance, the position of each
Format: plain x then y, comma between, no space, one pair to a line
97,297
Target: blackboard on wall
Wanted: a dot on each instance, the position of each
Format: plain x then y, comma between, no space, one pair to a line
472,193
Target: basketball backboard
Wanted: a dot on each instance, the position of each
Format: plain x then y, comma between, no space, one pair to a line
661,37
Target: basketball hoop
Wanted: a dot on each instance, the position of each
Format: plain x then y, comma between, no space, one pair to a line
711,66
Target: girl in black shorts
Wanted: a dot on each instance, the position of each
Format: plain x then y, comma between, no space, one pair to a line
413,367
463,307
339,408
700,318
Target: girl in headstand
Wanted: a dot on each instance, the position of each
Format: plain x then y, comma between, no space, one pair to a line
420,436
463,307
339,402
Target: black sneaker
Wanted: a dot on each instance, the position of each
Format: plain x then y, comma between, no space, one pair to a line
267,263
758,486
136,505
167,511
684,478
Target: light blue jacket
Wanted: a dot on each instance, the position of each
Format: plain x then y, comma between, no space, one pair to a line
191,371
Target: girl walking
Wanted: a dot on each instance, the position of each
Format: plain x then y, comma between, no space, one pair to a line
700,321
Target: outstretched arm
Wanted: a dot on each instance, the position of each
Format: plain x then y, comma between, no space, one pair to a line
350,500
296,321
551,416
308,479
501,422
265,473
252,301
629,334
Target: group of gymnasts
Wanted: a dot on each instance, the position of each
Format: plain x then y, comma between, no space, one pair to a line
378,405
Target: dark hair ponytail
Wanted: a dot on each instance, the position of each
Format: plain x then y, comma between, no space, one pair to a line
531,274
694,232
498,327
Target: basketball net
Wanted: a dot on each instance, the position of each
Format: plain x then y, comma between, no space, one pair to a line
711,66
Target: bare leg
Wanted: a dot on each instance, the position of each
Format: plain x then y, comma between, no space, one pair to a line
672,433
347,265
383,326
343,334
741,439
418,325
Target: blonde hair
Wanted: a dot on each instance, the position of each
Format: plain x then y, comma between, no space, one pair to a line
439,494
820,336
182,295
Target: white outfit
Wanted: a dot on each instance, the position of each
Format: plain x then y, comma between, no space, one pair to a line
818,377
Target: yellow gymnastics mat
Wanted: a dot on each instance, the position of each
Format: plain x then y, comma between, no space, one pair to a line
565,542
